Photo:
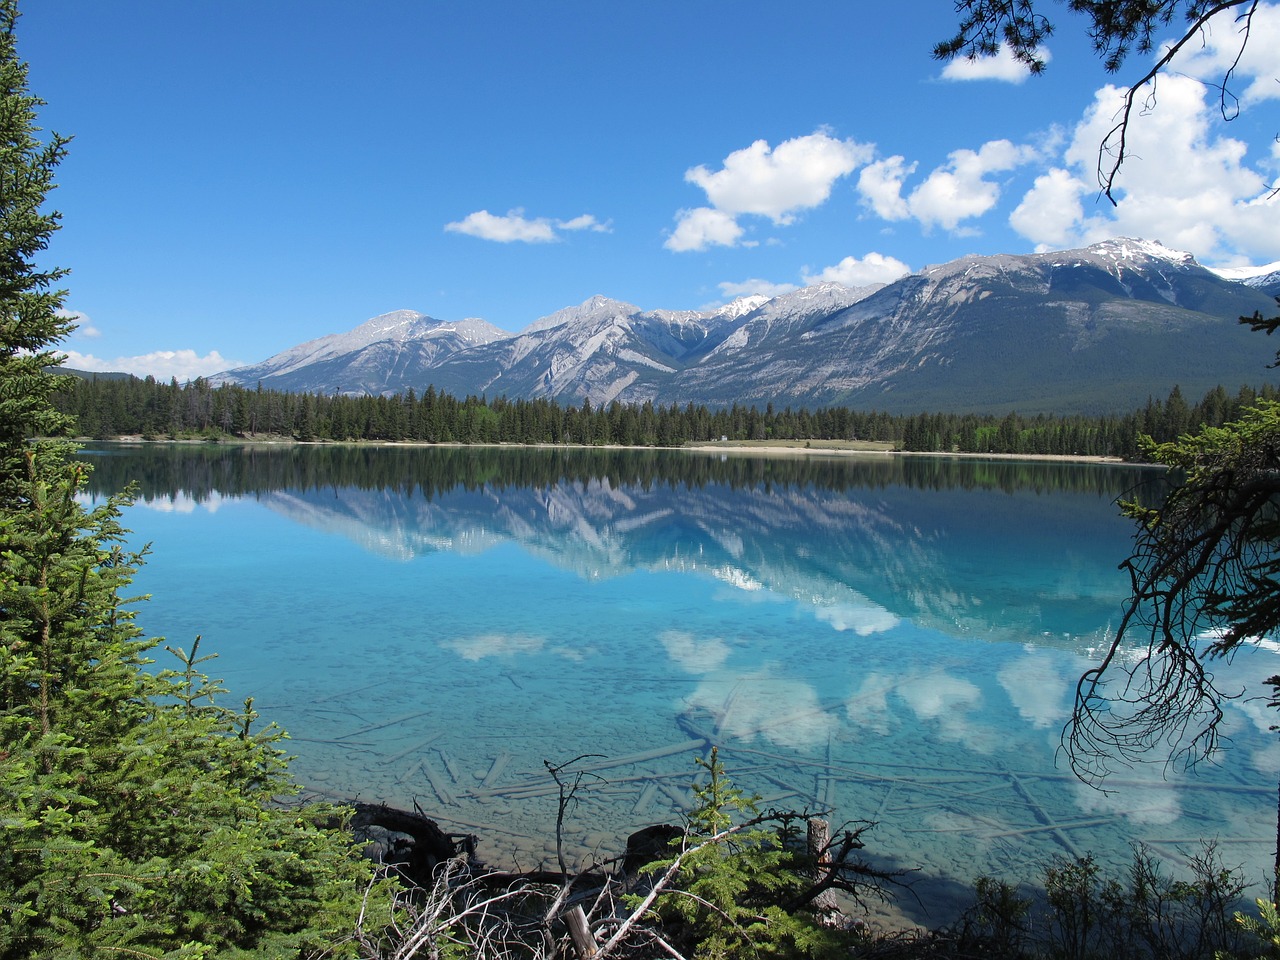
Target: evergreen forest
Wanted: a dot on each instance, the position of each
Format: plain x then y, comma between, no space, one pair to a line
112,406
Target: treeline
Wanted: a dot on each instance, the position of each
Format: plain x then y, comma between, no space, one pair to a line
201,471
109,407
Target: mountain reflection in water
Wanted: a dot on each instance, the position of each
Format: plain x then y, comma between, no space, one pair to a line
889,638
943,542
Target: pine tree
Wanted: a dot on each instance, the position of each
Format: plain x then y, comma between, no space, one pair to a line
138,816
738,872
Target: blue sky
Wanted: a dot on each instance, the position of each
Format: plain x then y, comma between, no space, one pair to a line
247,176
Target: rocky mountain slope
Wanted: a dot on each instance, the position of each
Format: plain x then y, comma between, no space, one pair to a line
1091,330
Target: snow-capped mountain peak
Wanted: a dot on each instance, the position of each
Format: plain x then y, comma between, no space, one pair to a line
741,306
1265,277
594,308
1130,249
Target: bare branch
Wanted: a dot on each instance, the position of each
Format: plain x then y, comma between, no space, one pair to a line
1117,28
1115,144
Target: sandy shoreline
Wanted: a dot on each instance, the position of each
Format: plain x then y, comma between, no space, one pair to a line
788,450
818,448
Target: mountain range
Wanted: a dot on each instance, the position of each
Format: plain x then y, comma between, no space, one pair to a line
1091,330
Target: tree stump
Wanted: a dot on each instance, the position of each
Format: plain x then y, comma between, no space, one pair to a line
819,843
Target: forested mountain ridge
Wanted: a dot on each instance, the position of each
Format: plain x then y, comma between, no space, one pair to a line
1083,331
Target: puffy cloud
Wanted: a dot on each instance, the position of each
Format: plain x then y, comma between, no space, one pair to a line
1223,48
1050,210
956,191
954,704
755,287
873,269
1183,182
1146,797
182,503
515,227
939,696
880,185
182,365
796,175
1003,66
854,272
960,190
584,222
703,227
759,180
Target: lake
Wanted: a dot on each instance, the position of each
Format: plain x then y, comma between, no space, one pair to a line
889,638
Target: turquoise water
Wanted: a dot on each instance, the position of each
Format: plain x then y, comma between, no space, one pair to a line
890,639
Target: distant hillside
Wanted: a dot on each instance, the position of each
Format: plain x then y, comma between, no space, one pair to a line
92,374
1082,331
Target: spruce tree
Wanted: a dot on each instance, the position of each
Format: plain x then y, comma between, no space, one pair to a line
138,816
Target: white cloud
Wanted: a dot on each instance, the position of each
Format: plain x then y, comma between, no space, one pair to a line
703,227
880,185
1050,210
939,696
182,503
84,326
164,365
759,180
956,191
755,287
777,183
868,706
873,269
1184,182
1146,797
516,227
584,222
1003,66
1220,51
854,272
950,702
960,190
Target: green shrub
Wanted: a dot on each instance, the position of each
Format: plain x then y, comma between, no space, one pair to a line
737,875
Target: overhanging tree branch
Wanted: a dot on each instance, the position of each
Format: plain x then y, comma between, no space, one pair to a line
1204,580
1117,29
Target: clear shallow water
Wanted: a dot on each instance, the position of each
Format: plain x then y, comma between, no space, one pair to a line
892,639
